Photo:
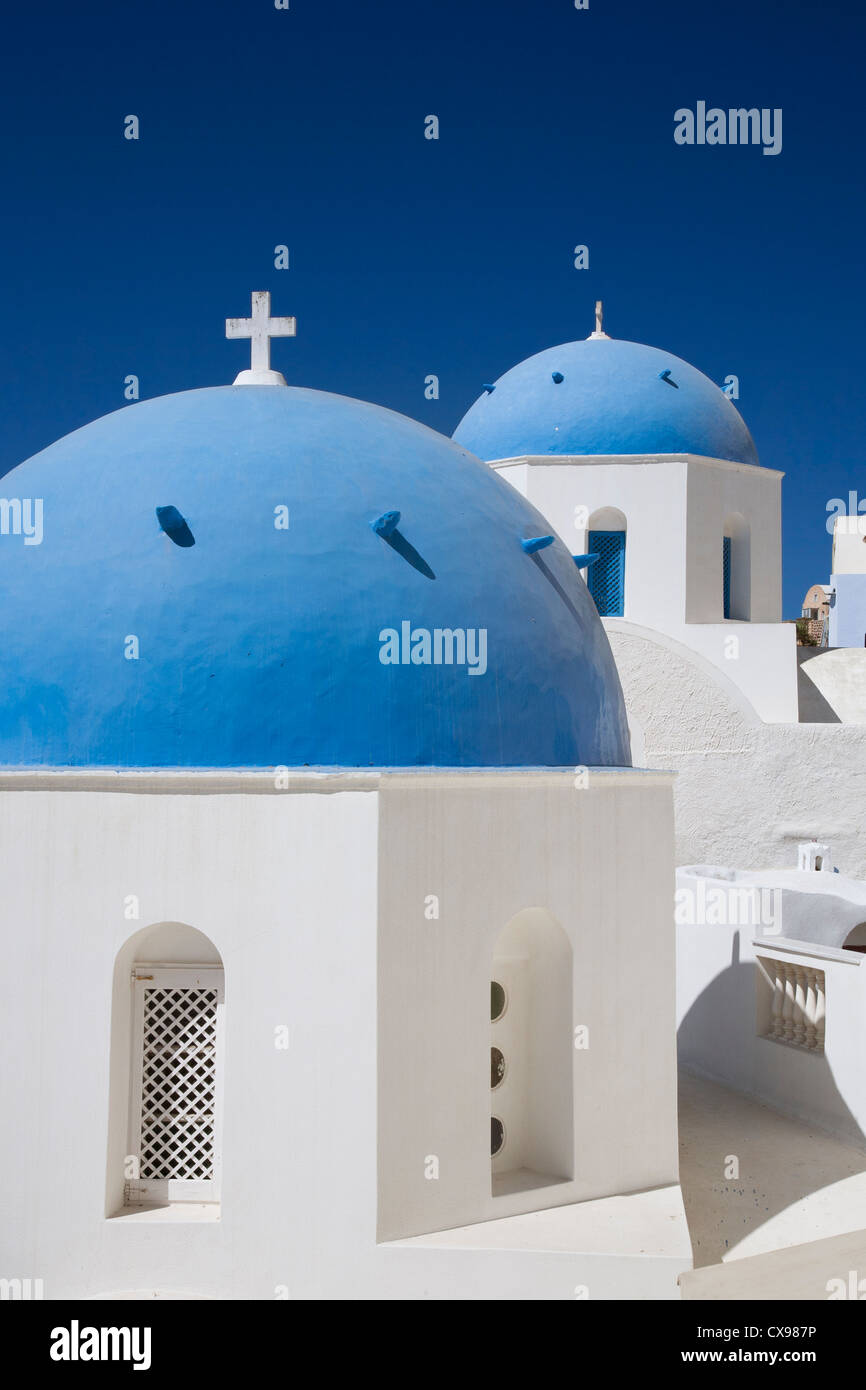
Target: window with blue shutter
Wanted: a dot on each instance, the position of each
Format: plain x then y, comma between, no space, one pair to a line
726,575
606,578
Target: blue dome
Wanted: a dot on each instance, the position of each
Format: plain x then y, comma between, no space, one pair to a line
260,646
612,398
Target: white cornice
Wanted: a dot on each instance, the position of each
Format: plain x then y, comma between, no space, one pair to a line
257,781
590,460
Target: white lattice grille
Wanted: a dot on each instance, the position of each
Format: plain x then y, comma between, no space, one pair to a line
178,1091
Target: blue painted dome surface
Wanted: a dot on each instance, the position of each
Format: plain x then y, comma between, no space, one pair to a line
612,399
259,646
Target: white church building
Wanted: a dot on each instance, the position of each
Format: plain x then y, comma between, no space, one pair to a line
645,465
646,470
344,773
332,902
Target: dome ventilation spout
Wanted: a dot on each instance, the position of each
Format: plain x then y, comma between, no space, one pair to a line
175,526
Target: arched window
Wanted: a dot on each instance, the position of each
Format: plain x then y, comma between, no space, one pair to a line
606,578
531,1055
165,1120
736,568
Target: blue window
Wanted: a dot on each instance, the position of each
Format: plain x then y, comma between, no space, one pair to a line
606,578
726,575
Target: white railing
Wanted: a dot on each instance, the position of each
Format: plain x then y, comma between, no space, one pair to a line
798,1005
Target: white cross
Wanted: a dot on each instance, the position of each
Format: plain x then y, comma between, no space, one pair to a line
260,328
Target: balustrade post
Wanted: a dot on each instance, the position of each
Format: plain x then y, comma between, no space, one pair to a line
811,1004
788,1006
820,1010
799,1006
777,1026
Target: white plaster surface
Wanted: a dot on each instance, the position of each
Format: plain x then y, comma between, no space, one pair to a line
764,668
723,1014
746,793
808,905
599,861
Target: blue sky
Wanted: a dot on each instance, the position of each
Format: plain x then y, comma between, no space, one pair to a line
305,127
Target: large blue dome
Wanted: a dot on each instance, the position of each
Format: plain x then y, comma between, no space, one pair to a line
611,397
260,646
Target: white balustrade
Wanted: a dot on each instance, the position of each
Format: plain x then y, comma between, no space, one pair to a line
798,1006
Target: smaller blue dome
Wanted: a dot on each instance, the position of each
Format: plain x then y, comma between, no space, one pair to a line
605,396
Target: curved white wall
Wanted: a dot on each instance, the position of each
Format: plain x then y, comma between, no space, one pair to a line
746,793
839,678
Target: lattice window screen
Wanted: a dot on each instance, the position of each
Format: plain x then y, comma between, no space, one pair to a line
178,1088
606,578
176,1084
726,575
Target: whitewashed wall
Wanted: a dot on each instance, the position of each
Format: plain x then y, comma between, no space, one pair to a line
720,1025
651,495
849,545
717,491
676,511
599,861
746,793
286,885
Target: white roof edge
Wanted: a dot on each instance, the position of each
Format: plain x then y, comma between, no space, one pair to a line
264,781
587,460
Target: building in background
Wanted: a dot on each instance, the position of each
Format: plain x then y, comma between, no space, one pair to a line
647,471
813,628
635,456
848,583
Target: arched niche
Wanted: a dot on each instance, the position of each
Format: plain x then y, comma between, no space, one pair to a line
606,537
532,1054
166,945
736,568
856,939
